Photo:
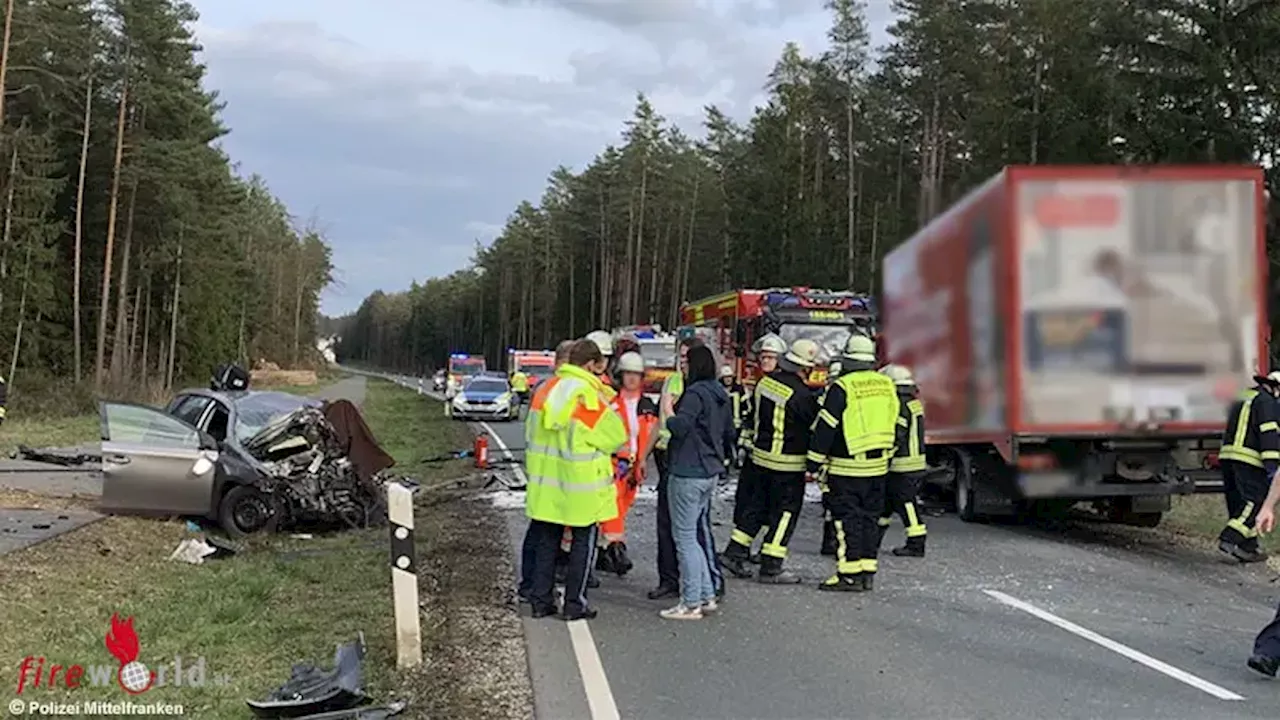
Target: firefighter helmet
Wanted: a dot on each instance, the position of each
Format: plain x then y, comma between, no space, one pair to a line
900,375
771,343
602,340
726,371
804,353
631,362
860,348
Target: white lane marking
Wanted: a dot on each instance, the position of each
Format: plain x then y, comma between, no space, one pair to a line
506,451
1159,666
596,684
599,694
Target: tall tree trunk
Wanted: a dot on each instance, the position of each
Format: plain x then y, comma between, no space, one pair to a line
119,342
4,57
135,319
22,315
108,254
849,189
173,318
875,239
297,313
76,331
146,333
7,238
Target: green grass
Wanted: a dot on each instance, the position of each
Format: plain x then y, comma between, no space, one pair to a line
1203,517
251,616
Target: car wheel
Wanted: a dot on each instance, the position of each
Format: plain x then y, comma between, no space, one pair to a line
245,510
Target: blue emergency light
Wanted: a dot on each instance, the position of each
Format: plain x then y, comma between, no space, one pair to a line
644,335
461,356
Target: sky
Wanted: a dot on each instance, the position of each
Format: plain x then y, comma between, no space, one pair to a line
406,130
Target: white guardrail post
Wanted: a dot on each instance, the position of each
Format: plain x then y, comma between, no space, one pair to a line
404,576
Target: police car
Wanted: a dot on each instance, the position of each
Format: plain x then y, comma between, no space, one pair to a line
485,397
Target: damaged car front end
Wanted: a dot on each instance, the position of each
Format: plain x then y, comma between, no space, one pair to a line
251,461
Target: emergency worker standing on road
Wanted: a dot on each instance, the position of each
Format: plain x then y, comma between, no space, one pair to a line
741,401
569,465
520,386
640,416
1249,457
853,442
530,537
907,466
1266,647
604,341
785,410
750,502
828,527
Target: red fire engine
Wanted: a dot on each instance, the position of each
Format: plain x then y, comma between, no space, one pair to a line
734,321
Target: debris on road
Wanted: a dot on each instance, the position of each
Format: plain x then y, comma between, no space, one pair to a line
314,693
55,456
193,551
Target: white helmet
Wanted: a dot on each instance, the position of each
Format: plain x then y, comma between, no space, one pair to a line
631,362
834,371
803,352
899,374
726,371
771,343
602,340
860,348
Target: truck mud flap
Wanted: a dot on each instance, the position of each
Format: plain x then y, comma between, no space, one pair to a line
1061,485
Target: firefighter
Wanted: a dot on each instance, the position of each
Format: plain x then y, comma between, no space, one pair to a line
520,386
785,410
852,443
907,466
749,507
604,341
1266,647
828,527
640,416
1249,456
738,395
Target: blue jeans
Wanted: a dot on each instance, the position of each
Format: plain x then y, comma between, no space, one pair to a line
690,500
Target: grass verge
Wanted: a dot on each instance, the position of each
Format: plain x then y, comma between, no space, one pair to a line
1203,517
251,616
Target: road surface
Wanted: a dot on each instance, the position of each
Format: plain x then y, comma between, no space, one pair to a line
998,622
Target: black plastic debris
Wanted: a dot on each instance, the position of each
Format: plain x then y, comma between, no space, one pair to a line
379,712
55,457
311,691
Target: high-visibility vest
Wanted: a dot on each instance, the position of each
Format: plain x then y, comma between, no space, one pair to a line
673,385
909,455
519,382
856,431
568,458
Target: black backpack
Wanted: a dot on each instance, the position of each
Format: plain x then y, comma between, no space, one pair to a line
229,376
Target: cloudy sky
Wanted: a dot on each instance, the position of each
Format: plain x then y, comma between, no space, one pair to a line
410,128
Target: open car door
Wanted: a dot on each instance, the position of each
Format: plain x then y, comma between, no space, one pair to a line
154,462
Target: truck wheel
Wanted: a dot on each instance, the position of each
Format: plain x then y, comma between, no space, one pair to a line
966,494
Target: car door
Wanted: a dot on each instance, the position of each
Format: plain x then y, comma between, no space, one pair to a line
154,462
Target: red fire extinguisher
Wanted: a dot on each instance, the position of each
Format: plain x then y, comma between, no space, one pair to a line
482,451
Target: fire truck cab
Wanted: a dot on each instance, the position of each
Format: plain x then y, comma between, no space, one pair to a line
733,322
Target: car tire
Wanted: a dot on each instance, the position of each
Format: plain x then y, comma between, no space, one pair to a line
245,510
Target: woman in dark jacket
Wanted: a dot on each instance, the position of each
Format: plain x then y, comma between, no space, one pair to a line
701,440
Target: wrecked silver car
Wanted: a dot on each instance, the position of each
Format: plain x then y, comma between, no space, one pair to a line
253,461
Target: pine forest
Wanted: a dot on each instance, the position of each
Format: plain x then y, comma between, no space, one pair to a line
856,148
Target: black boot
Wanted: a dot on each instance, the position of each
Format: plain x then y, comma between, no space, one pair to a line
605,560
772,573
621,563
842,583
1242,553
868,582
913,548
735,559
828,538
593,582
1265,665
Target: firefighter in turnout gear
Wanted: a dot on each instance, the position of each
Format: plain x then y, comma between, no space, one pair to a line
853,441
1249,457
749,507
740,399
906,468
828,527
640,417
785,410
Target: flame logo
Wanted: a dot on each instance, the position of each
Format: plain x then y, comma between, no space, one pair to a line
122,643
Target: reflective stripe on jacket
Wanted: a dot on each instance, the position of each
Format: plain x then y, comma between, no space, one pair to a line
785,408
908,456
1251,435
572,433
646,418
673,386
857,427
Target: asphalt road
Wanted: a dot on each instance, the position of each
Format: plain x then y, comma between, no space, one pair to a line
998,622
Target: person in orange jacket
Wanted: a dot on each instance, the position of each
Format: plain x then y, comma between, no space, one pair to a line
640,416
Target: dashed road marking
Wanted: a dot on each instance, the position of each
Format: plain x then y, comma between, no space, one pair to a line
1142,658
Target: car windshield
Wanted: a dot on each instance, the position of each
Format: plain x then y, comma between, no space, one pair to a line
539,370
255,411
487,386
658,354
830,338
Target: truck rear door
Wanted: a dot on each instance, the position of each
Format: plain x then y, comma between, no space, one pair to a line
1139,296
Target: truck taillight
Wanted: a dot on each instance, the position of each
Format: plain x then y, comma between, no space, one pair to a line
1211,461
1037,462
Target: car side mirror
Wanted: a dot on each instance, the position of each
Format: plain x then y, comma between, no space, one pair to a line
207,441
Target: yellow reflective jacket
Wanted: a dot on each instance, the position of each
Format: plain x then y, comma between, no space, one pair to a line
519,382
572,435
